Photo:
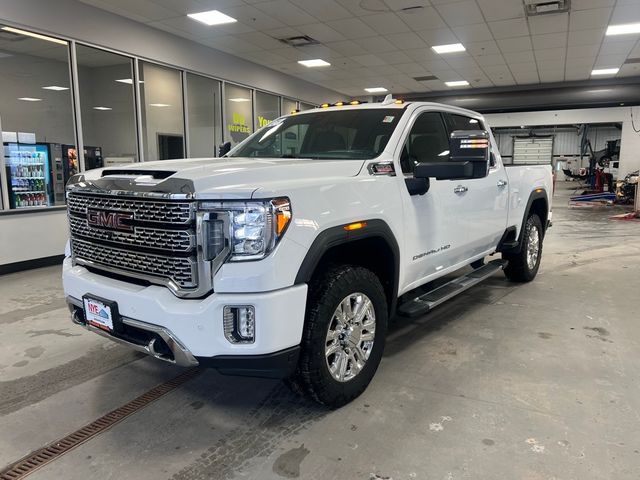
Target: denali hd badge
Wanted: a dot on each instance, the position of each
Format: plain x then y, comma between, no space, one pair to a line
110,220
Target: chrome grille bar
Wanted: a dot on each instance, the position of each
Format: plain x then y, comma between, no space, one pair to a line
155,238
165,212
182,271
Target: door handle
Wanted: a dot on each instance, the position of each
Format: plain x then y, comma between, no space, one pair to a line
502,183
460,189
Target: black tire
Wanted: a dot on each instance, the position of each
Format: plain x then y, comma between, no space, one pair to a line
312,376
519,269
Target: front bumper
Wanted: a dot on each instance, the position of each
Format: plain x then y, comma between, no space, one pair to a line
190,331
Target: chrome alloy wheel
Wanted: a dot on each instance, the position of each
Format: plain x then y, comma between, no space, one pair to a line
350,337
533,247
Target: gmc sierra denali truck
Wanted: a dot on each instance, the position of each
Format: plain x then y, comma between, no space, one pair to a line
287,257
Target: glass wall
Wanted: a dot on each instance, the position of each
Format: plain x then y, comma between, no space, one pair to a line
38,152
306,106
204,122
162,112
36,119
108,108
238,113
267,108
288,106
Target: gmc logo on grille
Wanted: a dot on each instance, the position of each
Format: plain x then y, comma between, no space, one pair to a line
110,220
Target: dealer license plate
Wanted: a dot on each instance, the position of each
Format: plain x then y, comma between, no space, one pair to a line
98,313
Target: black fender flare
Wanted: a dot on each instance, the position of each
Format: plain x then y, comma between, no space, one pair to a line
338,235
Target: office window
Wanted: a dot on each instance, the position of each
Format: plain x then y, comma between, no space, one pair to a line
267,108
238,112
204,122
108,108
36,120
162,112
288,106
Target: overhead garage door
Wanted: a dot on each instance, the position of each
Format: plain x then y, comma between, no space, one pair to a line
533,150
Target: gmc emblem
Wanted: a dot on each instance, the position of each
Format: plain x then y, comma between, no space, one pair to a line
109,220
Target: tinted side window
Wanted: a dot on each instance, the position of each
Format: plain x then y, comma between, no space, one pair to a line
460,122
427,142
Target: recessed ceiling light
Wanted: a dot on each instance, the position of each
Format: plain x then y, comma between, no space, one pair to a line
102,108
453,47
212,17
623,29
605,71
376,90
34,35
55,88
457,83
316,62
159,105
30,99
239,99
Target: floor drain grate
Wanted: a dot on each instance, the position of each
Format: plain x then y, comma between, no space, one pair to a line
51,452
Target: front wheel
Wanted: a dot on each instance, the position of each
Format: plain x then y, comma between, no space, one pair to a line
343,337
523,266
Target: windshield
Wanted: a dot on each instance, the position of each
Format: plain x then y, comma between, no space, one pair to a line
343,134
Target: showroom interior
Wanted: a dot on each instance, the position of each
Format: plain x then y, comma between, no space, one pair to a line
510,379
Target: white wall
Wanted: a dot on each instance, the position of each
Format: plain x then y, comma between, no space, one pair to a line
32,235
629,139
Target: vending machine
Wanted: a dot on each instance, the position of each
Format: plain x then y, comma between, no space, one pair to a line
28,175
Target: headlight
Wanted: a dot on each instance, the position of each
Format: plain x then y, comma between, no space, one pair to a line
253,228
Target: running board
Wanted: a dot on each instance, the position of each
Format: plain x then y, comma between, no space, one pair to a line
427,301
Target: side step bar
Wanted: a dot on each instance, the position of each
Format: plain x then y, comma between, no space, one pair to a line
427,301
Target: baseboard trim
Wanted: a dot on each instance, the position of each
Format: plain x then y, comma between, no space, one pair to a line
31,264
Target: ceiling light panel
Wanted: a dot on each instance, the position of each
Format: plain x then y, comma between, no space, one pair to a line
55,88
451,48
212,17
30,99
605,71
102,108
457,83
376,90
34,35
316,62
626,29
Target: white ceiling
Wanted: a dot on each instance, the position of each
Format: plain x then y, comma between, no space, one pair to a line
372,43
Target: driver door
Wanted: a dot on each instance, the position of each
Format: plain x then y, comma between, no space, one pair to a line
435,238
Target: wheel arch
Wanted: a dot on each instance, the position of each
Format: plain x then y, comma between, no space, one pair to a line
538,203
373,247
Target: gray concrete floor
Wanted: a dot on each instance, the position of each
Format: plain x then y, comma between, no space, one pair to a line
536,381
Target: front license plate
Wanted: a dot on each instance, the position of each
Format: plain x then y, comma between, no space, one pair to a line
99,313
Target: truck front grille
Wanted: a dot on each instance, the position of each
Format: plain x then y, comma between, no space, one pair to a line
156,241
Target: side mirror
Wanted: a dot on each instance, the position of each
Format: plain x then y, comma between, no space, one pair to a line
469,156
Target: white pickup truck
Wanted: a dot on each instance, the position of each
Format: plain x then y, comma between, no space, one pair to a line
287,257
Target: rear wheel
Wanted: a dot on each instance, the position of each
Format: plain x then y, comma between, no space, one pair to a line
344,335
523,266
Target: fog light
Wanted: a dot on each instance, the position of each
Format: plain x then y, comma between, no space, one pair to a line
239,323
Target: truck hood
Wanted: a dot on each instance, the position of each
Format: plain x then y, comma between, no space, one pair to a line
220,178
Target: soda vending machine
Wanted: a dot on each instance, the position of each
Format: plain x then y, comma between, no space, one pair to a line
28,173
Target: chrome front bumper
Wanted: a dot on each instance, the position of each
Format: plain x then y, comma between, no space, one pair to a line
179,355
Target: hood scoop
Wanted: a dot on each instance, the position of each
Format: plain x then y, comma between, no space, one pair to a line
154,174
